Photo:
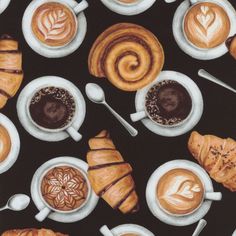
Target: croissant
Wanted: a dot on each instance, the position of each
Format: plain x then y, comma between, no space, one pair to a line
11,74
110,176
217,156
31,232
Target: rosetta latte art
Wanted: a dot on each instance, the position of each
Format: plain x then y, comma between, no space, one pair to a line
207,25
54,24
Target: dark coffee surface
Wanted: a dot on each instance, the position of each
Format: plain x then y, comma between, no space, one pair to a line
146,152
168,102
52,108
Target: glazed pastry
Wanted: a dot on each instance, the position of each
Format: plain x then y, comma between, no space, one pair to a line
217,156
128,55
5,143
110,176
31,232
11,74
231,44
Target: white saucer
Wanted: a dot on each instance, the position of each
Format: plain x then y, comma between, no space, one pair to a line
44,82
60,217
151,193
129,10
197,103
44,50
131,228
3,5
15,144
188,48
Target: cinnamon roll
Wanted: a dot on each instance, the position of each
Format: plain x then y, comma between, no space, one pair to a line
128,55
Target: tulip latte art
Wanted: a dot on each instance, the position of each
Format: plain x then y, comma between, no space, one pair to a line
206,25
180,191
54,24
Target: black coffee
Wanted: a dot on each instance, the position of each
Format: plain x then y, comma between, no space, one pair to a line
168,102
52,107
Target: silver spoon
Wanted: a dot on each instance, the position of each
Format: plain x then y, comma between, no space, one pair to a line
204,74
17,202
96,94
106,231
201,225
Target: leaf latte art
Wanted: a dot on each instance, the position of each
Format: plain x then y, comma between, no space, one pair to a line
54,24
128,55
206,25
180,191
64,188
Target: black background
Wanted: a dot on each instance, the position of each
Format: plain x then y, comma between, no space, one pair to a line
145,152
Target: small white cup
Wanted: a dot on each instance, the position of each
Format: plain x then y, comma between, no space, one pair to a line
68,128
137,116
42,215
75,11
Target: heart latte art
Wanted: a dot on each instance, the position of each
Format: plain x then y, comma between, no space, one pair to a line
206,25
54,24
180,191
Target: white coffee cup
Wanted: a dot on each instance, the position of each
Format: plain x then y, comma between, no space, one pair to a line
192,4
68,127
137,116
80,7
42,215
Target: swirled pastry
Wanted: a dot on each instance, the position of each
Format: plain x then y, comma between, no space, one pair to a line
217,156
11,74
128,55
109,175
5,143
32,232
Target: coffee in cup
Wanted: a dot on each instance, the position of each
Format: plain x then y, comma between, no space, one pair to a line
54,24
180,192
64,188
206,25
52,108
127,1
168,103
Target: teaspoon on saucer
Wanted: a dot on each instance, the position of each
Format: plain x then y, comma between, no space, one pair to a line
17,202
96,94
201,225
204,74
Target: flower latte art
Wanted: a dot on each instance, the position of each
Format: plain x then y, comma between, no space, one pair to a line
206,25
180,191
64,188
54,24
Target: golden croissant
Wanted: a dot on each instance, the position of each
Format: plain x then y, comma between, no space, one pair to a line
217,156
31,232
11,74
110,176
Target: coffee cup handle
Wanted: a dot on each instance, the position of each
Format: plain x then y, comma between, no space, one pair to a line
80,7
213,196
42,215
105,231
138,116
74,133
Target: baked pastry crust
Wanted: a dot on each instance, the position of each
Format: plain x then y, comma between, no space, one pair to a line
5,143
11,74
109,175
217,156
128,55
32,232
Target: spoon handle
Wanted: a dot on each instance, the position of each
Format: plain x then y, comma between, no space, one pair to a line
204,74
128,127
3,208
201,225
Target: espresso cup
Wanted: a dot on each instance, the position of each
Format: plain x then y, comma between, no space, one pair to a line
203,22
186,189
145,114
67,128
73,11
44,212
